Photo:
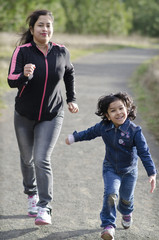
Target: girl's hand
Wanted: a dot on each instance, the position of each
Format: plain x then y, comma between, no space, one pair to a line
152,180
70,139
67,141
73,107
29,69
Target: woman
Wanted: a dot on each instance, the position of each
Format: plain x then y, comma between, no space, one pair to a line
36,68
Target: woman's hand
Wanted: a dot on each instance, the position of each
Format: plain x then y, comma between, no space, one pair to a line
29,69
152,180
73,107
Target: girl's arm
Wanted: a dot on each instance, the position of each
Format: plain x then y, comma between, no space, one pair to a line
85,135
144,153
145,156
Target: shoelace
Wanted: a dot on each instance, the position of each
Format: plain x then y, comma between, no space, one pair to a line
42,211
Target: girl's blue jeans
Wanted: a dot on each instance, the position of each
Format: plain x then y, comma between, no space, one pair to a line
36,141
117,186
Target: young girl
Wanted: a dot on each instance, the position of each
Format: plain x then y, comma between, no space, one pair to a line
124,143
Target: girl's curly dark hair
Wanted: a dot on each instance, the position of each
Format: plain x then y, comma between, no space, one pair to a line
105,101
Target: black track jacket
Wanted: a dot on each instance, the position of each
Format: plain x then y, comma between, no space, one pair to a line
39,96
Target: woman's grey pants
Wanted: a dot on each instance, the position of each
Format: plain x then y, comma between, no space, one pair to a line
36,141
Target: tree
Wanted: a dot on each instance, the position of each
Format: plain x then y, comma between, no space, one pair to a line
13,14
99,17
145,16
109,17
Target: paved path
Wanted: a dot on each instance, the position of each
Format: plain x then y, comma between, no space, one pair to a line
78,184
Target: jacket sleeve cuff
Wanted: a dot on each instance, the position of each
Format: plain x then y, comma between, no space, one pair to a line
71,138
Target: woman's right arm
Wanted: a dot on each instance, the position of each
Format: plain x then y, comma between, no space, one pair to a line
17,76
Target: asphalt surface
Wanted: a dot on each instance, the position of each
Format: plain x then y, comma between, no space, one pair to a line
78,184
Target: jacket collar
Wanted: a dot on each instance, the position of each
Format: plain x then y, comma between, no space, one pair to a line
123,128
49,45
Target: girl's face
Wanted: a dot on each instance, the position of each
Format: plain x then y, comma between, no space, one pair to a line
43,30
117,113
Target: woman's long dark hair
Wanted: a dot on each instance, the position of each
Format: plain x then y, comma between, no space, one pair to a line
26,36
105,101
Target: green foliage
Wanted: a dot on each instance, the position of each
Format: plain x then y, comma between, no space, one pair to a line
109,17
145,16
13,14
75,16
145,84
98,17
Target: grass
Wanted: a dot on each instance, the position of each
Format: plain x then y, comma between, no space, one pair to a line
5,52
3,82
98,48
145,84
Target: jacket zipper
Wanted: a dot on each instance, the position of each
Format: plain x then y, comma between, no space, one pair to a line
46,78
115,147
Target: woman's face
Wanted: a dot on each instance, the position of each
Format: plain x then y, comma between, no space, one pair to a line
117,113
43,29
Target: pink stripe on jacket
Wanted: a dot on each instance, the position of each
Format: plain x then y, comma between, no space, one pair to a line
13,63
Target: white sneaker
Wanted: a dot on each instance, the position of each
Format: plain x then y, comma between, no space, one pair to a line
126,221
108,233
43,217
32,208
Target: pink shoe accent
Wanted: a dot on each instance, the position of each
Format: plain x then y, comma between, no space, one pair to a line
108,233
43,216
39,221
32,207
32,215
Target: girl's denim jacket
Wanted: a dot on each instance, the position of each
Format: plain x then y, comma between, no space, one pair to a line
123,145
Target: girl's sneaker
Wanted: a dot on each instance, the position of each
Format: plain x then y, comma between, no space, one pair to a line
126,221
32,207
108,233
43,217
